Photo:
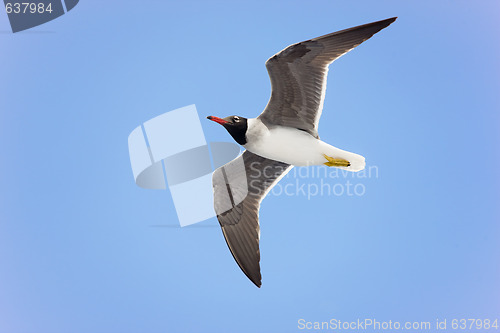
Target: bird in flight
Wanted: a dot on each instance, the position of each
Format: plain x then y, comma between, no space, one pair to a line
284,135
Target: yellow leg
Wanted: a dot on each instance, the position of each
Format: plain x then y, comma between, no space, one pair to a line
336,162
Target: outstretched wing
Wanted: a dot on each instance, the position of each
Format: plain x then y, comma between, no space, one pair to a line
239,187
298,76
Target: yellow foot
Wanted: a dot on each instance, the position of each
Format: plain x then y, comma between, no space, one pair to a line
336,162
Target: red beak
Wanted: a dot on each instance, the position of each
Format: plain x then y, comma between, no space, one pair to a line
217,120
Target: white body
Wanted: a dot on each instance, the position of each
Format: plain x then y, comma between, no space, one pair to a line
295,147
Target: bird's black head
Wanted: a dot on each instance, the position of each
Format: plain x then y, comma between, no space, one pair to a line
235,125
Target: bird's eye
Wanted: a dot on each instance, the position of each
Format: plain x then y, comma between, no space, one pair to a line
236,119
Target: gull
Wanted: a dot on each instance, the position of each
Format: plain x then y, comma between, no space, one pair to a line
284,135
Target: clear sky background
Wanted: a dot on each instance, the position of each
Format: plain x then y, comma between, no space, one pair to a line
80,245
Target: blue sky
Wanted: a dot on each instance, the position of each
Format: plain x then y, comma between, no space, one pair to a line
79,250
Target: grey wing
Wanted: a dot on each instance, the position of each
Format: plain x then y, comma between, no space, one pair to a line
298,76
239,187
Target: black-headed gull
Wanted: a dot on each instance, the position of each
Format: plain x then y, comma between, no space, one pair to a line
284,135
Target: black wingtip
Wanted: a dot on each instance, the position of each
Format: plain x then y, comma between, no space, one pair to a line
256,279
382,24
392,19
386,22
257,283
252,275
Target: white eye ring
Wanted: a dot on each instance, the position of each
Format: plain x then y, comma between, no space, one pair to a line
236,118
